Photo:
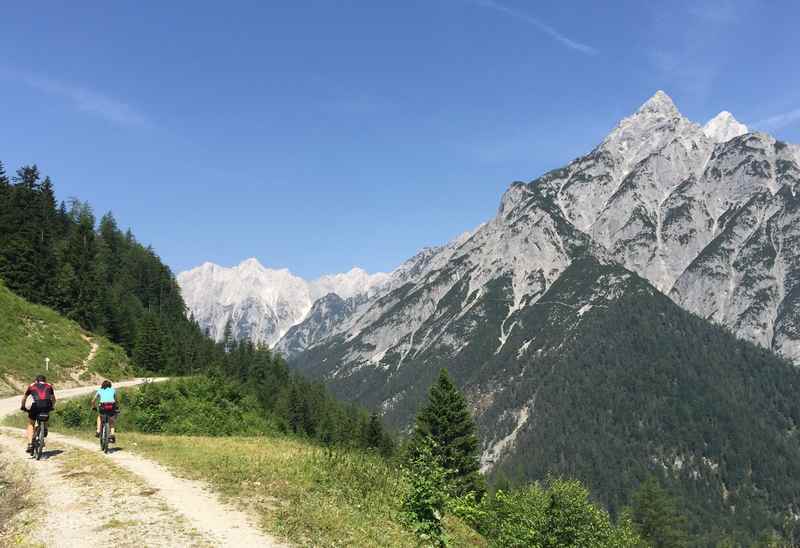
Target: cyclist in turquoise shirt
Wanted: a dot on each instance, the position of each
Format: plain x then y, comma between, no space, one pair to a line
106,398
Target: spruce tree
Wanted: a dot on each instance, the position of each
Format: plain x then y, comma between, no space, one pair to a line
373,433
446,421
81,251
47,227
656,517
227,336
147,352
28,177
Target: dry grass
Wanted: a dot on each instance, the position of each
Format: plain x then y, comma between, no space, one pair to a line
17,503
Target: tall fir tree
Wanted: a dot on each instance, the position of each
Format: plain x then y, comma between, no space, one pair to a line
228,342
5,184
81,254
446,420
47,263
28,177
147,351
656,517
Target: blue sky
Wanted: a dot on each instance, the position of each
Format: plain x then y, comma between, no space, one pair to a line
319,135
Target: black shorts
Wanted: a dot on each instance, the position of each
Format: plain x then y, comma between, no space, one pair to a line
35,410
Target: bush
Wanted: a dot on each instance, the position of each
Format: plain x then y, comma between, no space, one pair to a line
555,514
72,414
426,500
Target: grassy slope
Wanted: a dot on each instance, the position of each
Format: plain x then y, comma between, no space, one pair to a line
29,333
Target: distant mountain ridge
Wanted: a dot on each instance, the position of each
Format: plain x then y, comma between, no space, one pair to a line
263,303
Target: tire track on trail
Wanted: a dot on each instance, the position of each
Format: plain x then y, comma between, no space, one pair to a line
202,513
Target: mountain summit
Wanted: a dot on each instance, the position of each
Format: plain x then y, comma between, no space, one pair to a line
724,127
659,103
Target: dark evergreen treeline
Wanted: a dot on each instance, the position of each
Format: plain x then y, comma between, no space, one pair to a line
58,255
94,273
294,403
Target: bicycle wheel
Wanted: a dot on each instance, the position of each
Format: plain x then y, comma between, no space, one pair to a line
104,436
39,447
34,440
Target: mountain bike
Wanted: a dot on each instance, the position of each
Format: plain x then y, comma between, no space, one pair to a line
105,430
39,433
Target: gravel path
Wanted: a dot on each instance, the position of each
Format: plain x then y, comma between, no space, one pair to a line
186,512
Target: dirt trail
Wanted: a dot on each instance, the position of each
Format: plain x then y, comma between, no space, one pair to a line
202,515
87,500
92,351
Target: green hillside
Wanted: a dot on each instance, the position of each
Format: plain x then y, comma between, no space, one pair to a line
30,333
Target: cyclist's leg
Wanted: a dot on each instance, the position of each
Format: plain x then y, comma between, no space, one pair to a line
112,422
31,421
98,423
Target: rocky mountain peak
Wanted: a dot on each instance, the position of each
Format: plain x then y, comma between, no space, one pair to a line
723,127
659,103
251,264
655,124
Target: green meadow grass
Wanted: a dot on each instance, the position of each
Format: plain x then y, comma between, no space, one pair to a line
307,494
30,333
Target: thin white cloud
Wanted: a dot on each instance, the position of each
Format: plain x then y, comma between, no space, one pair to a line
84,99
779,121
545,28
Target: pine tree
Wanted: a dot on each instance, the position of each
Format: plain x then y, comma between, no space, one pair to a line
28,177
447,421
4,182
656,517
84,297
227,336
47,227
373,433
147,351
376,437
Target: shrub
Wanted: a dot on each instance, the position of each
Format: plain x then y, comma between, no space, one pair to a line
72,414
558,513
426,500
